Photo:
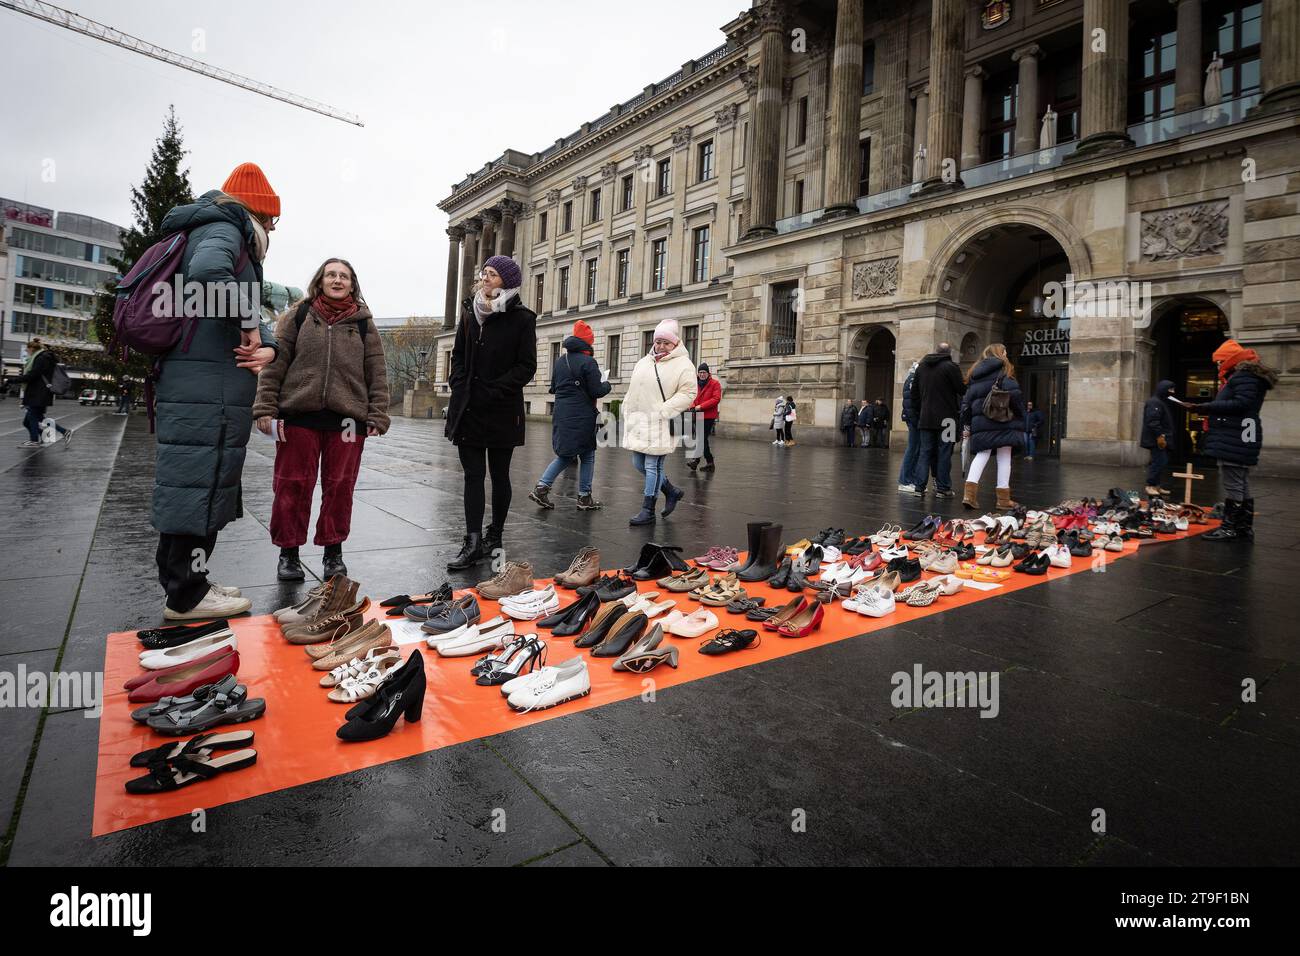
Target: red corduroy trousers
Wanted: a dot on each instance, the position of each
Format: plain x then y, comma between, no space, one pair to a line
303,453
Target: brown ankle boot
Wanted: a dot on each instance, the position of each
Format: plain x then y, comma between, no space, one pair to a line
1004,500
971,498
583,570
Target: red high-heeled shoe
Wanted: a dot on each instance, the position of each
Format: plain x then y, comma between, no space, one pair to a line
805,622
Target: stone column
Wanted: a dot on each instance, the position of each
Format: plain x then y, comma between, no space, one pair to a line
488,241
1280,54
506,237
1189,79
920,130
814,192
947,61
1027,99
1104,106
765,161
972,116
896,150
846,109
470,260
452,305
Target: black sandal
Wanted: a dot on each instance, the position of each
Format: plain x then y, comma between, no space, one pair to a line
203,742
184,770
729,640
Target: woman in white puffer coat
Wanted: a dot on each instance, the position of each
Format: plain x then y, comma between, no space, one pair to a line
662,387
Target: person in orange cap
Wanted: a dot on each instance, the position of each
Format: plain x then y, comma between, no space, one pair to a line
206,388
577,384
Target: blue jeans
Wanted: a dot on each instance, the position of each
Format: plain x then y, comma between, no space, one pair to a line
906,474
32,422
935,456
1030,442
1156,467
652,466
586,471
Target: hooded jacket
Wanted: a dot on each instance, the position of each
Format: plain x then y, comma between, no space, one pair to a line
204,399
576,385
1158,417
36,393
936,391
986,434
708,397
1236,432
646,413
490,365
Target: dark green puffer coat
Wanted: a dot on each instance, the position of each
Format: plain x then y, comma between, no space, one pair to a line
204,400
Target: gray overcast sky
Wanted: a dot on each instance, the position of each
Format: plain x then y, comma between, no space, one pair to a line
442,88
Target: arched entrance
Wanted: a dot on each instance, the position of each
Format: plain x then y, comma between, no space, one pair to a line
1183,337
871,357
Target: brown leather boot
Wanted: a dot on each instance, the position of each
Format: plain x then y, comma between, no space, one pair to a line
1004,500
515,578
971,498
583,570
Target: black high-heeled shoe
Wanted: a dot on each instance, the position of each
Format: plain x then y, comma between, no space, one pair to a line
530,655
795,580
401,694
629,629
782,576
575,617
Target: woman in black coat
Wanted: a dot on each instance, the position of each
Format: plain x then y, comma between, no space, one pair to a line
577,384
1236,434
494,357
994,369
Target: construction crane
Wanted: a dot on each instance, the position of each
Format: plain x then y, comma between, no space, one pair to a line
100,31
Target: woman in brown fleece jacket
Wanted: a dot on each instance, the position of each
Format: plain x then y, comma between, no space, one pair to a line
326,391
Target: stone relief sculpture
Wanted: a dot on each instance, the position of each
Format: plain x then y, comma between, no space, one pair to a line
874,279
1196,230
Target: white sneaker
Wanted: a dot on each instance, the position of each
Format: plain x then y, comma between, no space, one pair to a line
156,660
477,640
549,688
228,592
876,601
531,605
911,488
1058,556
214,604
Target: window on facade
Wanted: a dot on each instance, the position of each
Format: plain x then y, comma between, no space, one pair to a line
664,180
590,290
555,353
562,289
700,254
691,340
801,122
446,365
647,341
612,356
1059,81
864,167
868,67
999,116
798,198
622,262
629,193
54,326
595,205
539,292
1232,30
659,264
704,153
541,226
27,267
567,218
61,246
1153,56
784,318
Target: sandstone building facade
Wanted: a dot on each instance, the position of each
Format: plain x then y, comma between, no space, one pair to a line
1108,187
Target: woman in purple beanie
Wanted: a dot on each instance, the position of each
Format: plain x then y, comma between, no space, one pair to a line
494,357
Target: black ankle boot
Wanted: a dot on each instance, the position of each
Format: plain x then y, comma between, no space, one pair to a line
334,561
290,567
492,541
1246,524
1228,530
471,553
647,513
672,495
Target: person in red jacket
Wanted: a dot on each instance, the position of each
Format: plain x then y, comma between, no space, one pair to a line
707,398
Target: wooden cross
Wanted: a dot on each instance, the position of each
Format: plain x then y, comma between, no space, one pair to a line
1190,476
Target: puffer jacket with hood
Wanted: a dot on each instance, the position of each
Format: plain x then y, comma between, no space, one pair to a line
1236,433
645,414
1158,418
986,434
576,385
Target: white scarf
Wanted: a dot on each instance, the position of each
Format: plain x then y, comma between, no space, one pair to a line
483,306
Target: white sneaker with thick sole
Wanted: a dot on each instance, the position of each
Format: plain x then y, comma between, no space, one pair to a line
550,688
214,604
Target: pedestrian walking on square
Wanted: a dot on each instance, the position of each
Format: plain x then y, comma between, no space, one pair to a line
778,421
1033,423
37,396
993,415
494,357
577,384
1158,436
205,393
791,416
849,423
936,395
663,385
906,476
880,424
708,397
1236,434
125,393
325,393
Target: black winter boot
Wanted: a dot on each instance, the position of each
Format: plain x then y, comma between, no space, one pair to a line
769,555
471,553
672,495
334,561
754,529
492,541
1228,531
647,513
1246,527
290,567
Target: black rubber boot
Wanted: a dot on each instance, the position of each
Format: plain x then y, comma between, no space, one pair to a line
769,555
647,513
290,567
754,534
471,553
672,495
1231,516
334,561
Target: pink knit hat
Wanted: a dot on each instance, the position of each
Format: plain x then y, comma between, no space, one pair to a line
668,329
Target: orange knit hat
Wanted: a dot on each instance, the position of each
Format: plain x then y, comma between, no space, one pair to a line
1230,354
248,184
583,331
